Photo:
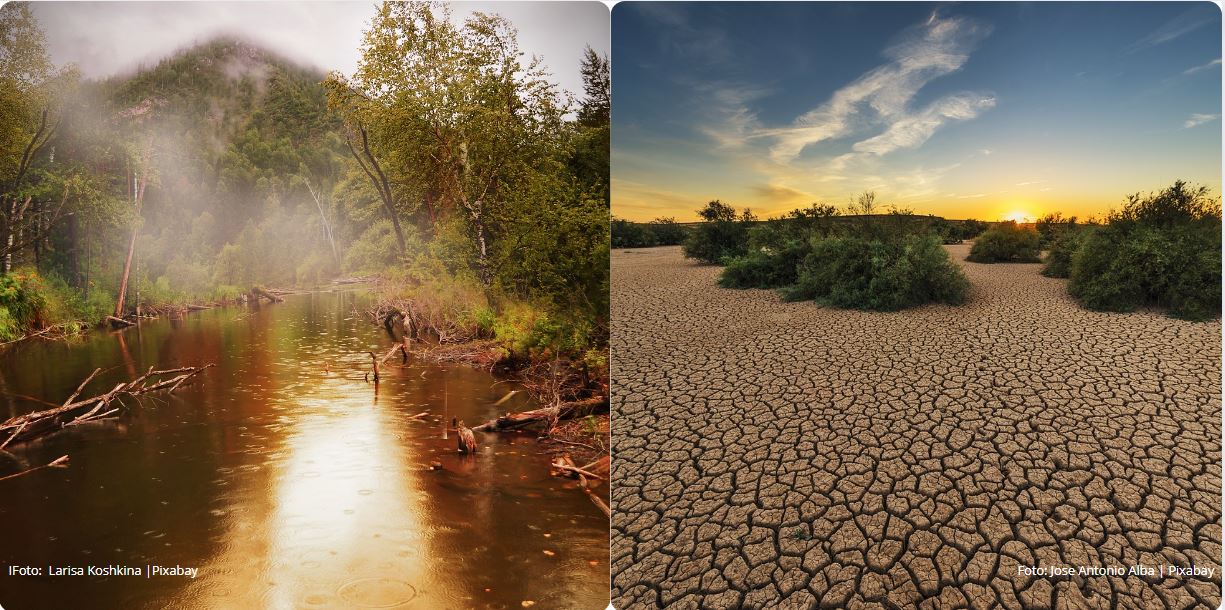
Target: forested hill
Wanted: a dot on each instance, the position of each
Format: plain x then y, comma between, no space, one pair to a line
235,135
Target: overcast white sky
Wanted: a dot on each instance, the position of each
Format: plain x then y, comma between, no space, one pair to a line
104,38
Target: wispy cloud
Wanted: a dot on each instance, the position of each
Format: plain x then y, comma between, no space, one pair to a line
1199,119
1215,62
782,194
1184,23
911,131
882,96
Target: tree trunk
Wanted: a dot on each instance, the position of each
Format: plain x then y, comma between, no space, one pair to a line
127,265
127,269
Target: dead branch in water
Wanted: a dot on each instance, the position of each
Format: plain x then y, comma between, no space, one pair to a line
38,423
565,466
546,415
118,323
59,462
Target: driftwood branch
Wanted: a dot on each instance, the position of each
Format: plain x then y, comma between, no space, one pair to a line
59,462
546,415
38,423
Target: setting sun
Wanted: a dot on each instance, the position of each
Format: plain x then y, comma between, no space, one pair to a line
1018,217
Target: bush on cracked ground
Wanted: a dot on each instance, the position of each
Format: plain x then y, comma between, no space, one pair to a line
722,235
1006,242
879,275
1058,262
1162,250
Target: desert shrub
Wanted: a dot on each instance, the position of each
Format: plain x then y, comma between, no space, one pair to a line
723,235
1163,250
1058,261
957,231
1053,226
626,234
1006,243
775,250
760,269
881,275
667,232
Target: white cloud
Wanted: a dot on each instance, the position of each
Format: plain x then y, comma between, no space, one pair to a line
1183,24
882,95
911,131
1199,119
1215,62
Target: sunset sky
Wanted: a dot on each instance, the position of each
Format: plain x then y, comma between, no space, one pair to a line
963,111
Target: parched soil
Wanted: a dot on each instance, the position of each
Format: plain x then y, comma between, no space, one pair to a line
771,454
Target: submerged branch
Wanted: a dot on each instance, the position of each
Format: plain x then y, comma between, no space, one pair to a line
38,423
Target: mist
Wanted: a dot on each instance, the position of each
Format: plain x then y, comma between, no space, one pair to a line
109,38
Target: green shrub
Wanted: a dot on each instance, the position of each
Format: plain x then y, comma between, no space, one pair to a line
1053,226
878,275
723,235
957,231
1163,250
1006,243
667,232
626,234
1059,258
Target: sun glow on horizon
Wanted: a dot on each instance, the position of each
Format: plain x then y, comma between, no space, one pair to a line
1018,217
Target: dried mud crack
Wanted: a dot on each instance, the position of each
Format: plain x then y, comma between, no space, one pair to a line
771,454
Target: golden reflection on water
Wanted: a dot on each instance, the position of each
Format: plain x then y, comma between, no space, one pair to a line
341,521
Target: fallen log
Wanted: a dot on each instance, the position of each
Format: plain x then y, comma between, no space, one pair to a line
257,292
38,423
546,415
118,323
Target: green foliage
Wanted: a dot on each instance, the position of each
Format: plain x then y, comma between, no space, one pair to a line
762,269
30,302
1058,261
1006,242
667,231
1053,226
957,231
1163,249
627,234
658,232
862,273
723,235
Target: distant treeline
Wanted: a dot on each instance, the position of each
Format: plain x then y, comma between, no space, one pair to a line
1160,250
669,232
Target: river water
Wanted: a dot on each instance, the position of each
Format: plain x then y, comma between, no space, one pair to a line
285,478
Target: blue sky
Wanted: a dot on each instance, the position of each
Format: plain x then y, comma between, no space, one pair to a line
984,110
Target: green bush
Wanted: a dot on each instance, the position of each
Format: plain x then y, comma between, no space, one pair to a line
957,231
1059,258
1053,226
1163,250
1006,243
626,234
878,275
667,232
722,236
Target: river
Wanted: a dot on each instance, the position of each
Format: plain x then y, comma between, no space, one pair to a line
284,477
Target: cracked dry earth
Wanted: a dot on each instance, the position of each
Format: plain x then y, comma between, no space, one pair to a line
772,454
